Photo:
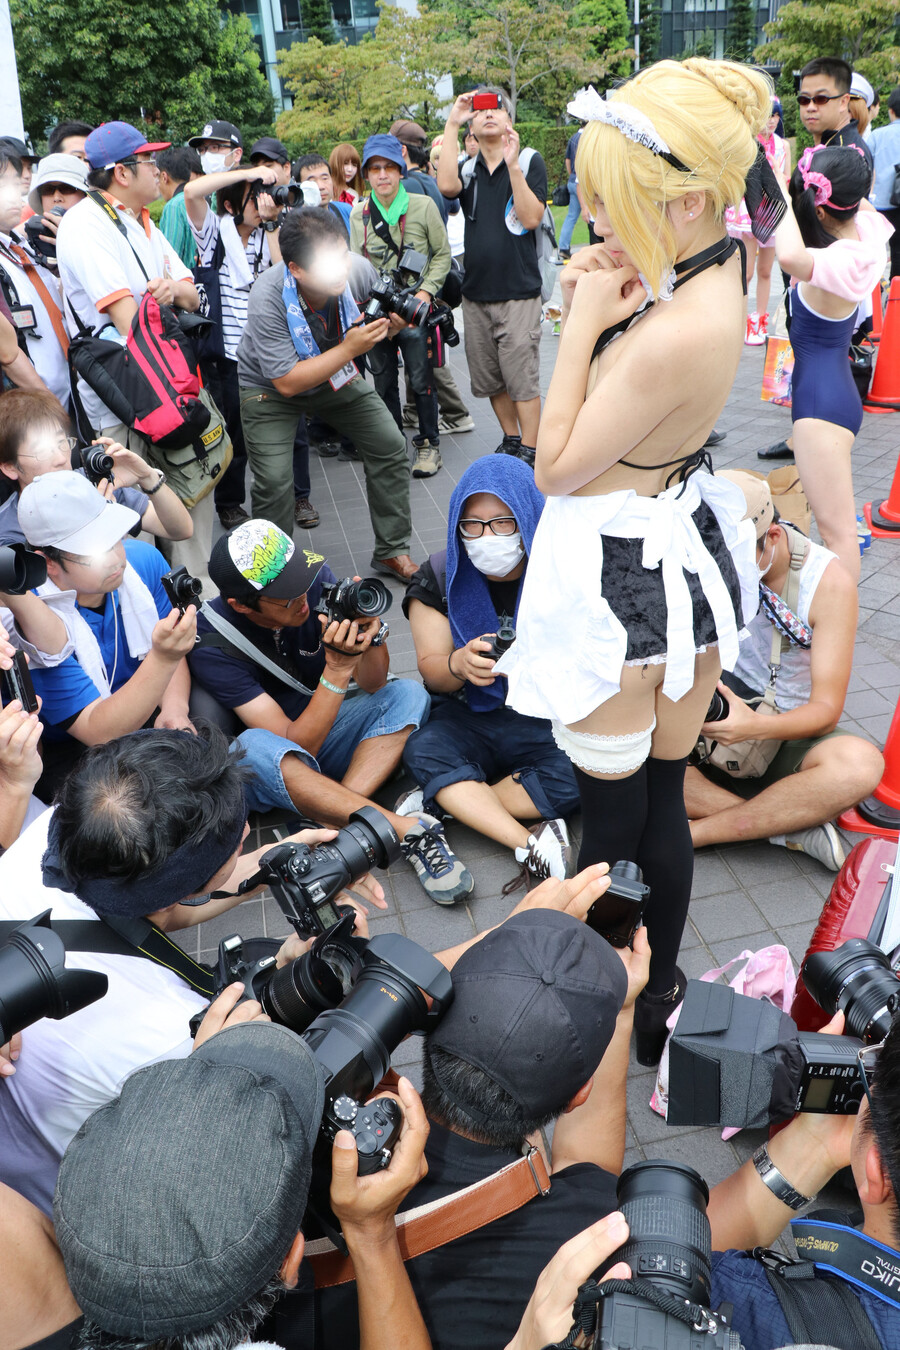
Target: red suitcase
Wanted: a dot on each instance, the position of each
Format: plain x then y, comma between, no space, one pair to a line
849,912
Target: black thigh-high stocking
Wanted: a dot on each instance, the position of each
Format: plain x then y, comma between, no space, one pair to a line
614,816
666,858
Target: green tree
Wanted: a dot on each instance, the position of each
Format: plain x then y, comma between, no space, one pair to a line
318,20
740,35
160,65
864,32
425,49
649,29
341,93
609,22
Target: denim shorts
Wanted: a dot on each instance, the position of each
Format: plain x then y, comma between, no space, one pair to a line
401,703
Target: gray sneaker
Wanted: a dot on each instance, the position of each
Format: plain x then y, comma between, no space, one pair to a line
427,461
410,803
410,415
444,878
548,852
455,426
821,842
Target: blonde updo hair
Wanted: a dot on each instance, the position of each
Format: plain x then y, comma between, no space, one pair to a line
709,114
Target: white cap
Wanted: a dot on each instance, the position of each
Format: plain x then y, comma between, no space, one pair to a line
65,511
860,88
68,169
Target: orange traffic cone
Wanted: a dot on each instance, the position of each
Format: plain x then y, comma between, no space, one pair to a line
880,813
877,315
884,393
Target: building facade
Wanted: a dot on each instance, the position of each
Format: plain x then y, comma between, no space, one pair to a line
688,25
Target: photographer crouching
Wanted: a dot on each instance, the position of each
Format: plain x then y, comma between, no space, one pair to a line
145,828
387,228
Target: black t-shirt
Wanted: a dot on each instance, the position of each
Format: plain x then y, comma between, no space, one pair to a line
501,263
425,586
849,135
472,1292
64,1339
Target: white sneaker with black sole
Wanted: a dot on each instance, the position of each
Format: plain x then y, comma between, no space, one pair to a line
548,852
444,878
821,842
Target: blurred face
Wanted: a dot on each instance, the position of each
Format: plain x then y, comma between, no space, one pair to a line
831,114
327,273
59,194
74,145
46,449
98,574
12,199
320,174
384,178
282,171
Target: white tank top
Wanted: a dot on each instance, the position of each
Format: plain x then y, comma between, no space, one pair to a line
792,687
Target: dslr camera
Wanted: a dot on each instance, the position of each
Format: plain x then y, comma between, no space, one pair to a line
738,1061
349,599
666,1303
35,982
288,196
392,295
43,248
20,569
181,588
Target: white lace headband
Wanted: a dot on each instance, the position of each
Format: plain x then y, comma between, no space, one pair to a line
588,106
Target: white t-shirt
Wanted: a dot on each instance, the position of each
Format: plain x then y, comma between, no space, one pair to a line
97,266
44,351
235,297
68,1069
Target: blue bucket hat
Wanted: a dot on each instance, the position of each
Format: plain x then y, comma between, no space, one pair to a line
384,147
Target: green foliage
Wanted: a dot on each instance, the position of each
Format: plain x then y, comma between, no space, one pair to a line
649,29
863,32
424,47
701,43
340,93
740,35
317,19
550,142
610,26
165,67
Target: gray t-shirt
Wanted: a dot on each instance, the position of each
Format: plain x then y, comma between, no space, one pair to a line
11,530
266,351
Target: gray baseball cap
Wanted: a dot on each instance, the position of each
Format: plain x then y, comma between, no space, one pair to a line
178,1201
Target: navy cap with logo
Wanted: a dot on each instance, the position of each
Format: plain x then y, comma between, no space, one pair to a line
178,1200
269,148
535,1006
257,558
217,131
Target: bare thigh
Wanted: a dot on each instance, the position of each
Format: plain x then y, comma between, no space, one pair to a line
822,452
640,699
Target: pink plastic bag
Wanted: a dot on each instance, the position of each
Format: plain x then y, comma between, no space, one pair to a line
768,974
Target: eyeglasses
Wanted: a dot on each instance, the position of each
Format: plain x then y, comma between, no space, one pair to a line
818,99
135,161
866,1060
474,528
64,443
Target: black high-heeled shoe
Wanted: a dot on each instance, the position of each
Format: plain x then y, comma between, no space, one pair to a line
651,1012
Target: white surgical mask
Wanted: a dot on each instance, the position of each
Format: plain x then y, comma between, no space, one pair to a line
495,554
763,566
214,162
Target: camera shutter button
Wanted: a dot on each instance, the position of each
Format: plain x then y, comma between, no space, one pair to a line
345,1109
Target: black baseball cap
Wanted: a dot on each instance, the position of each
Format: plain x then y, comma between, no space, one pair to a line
12,145
535,1006
259,557
269,148
178,1200
217,131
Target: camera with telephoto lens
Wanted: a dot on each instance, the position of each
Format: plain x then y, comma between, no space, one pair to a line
738,1061
286,195
718,708
181,588
98,465
349,599
666,1302
35,982
502,640
43,248
20,569
619,912
389,297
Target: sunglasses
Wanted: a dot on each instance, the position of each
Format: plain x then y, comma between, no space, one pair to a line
818,99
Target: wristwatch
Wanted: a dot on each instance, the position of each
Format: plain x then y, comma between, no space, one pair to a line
778,1184
151,492
270,226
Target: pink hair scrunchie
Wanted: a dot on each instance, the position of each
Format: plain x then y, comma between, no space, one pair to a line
812,179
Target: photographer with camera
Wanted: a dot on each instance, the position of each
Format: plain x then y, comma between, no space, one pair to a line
36,440
795,660
476,759
274,651
296,357
382,227
128,667
60,182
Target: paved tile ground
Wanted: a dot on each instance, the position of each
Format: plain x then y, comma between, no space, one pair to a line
744,896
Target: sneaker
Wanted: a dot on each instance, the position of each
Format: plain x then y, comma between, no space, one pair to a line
526,454
548,852
753,337
305,514
427,461
325,449
565,254
509,445
231,516
410,416
410,803
821,842
763,326
455,426
444,879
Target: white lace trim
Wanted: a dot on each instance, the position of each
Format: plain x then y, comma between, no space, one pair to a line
604,754
661,659
589,106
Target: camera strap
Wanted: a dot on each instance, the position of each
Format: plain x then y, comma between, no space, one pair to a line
442,1221
115,936
235,638
382,229
846,1252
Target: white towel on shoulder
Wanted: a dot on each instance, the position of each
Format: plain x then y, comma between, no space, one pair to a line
139,617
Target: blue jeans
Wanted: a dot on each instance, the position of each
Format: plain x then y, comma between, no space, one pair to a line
401,703
461,746
572,217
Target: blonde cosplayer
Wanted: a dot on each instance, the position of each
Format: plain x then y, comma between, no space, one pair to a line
685,126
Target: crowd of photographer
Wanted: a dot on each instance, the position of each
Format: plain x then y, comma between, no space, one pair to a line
206,1158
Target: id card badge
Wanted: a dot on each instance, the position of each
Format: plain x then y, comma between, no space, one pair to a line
344,375
23,317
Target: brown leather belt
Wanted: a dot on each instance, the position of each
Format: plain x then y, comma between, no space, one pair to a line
434,1225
